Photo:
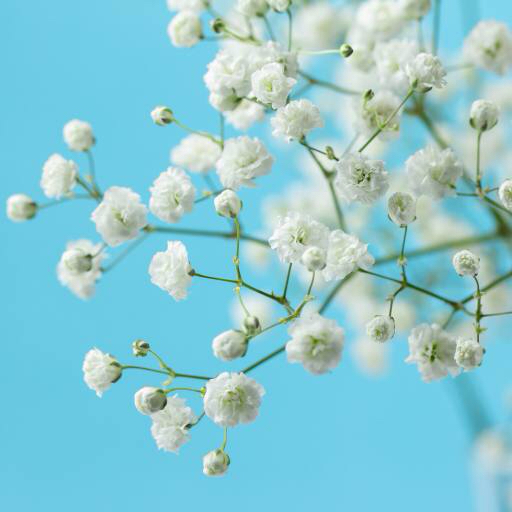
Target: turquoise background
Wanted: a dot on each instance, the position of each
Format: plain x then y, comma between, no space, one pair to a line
339,442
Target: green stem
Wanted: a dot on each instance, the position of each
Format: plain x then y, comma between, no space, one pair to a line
225,439
290,28
478,171
214,278
287,280
126,251
478,311
191,130
134,367
171,390
327,85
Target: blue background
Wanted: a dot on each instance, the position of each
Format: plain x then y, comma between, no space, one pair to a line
341,441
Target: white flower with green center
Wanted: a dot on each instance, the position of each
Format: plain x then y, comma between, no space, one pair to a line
316,342
271,86
402,208
381,328
100,370
232,398
425,72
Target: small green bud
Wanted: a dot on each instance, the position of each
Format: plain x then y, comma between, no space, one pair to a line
217,25
346,50
140,348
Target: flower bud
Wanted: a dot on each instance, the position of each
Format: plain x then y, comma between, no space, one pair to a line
466,263
140,348
484,115
314,258
505,194
77,261
20,207
217,25
330,153
381,328
162,115
402,208
229,345
469,354
368,95
252,325
346,50
149,400
215,463
227,204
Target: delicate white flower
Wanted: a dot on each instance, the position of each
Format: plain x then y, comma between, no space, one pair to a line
229,345
120,216
425,71
316,342
196,153
373,113
314,258
100,370
391,59
232,398
345,253
229,74
433,350
469,354
296,120
186,5
251,8
414,9
78,135
484,115
184,30
466,263
251,325
505,194
242,160
20,207
80,267
172,195
215,463
279,5
381,328
170,270
149,400
360,179
162,115
433,172
59,176
169,427
245,114
489,45
402,208
270,85
227,204
294,234
380,18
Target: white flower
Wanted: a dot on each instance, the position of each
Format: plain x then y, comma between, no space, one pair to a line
484,115
245,114
186,5
20,207
232,398
162,115
505,194
373,113
80,267
196,153
78,135
294,234
215,463
252,7
469,354
433,350
425,71
184,30
120,215
402,208
59,176
228,74
229,345
314,258
296,120
242,160
271,86
169,427
170,270
316,342
379,18
466,263
489,45
345,253
149,400
433,172
414,9
279,5
227,204
391,59
360,179
172,195
100,370
381,328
